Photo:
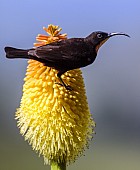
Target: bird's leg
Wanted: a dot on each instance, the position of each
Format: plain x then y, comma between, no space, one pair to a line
59,74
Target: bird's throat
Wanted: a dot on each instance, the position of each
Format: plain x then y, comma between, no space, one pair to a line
100,44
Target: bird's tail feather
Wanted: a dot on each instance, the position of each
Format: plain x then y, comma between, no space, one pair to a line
16,53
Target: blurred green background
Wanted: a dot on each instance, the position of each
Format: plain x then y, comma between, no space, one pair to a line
112,82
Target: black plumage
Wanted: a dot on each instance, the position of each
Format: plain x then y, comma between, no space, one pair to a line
66,54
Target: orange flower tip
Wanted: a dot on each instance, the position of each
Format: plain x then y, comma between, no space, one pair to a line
62,35
37,44
58,30
40,40
44,28
41,35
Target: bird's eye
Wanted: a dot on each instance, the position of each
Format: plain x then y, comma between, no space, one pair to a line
99,35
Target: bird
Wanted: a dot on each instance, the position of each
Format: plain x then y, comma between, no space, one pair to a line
66,54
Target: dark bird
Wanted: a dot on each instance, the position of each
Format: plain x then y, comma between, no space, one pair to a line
66,54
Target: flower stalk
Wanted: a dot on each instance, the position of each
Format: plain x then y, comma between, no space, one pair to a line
58,166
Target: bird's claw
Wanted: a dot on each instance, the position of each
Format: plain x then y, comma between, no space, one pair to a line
69,88
66,86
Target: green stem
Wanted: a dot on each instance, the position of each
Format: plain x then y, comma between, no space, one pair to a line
58,166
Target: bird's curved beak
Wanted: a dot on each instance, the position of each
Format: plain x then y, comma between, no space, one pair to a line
108,36
117,33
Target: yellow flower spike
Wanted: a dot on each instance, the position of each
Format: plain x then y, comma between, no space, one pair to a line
55,121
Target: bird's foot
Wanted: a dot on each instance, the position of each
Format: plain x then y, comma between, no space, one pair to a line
66,86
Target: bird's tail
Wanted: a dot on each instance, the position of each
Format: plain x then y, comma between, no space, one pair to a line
16,53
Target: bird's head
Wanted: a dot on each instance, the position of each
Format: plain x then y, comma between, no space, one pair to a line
99,38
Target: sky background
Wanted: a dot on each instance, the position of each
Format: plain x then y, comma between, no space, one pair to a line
112,81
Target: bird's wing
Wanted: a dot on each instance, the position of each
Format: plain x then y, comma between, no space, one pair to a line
61,51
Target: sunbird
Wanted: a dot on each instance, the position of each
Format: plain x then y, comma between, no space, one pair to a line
67,54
